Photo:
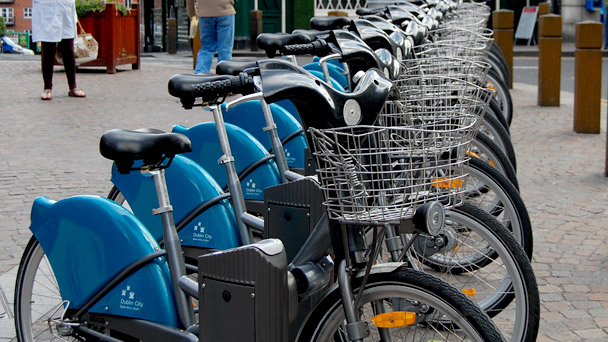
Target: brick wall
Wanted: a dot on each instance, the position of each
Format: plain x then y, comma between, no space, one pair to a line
21,24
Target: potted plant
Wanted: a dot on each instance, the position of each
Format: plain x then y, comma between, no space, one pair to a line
116,29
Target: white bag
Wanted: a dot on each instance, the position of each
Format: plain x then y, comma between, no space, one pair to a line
85,48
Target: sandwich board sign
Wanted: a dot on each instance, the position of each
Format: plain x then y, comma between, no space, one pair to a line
527,22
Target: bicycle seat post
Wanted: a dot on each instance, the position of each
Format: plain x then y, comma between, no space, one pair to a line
234,184
175,258
271,128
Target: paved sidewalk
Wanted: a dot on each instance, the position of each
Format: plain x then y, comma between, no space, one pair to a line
51,148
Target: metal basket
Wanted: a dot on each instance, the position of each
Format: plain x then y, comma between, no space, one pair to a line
374,175
473,51
462,35
437,97
455,67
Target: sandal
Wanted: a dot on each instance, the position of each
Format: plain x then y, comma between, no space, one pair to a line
46,94
76,93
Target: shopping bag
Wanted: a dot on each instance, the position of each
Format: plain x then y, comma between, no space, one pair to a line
85,48
193,27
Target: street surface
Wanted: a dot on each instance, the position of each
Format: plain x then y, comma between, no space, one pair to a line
51,148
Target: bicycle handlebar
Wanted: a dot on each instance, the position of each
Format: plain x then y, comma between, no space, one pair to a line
316,48
210,88
241,84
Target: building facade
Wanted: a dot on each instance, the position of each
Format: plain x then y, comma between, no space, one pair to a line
17,14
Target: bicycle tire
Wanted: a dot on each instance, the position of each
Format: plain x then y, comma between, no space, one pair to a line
407,285
503,96
495,67
494,130
486,150
485,248
495,110
501,200
36,286
496,52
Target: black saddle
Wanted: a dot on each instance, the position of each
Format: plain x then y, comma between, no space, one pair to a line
328,23
230,67
149,145
273,42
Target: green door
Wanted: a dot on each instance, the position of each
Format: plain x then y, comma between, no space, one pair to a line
271,15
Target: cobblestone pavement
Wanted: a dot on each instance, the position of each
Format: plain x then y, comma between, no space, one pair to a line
51,148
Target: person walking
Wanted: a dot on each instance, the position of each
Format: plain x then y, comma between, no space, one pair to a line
54,25
216,25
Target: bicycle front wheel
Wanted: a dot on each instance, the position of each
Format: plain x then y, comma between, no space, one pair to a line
482,258
438,312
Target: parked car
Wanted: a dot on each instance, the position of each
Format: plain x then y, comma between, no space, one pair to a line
8,46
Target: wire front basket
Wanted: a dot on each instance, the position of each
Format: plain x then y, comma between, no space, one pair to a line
374,175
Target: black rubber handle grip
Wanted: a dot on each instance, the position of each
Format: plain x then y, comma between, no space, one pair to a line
317,48
240,84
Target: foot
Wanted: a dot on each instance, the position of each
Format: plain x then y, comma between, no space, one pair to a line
46,94
76,93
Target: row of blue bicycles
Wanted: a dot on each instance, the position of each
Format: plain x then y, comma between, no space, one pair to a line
370,195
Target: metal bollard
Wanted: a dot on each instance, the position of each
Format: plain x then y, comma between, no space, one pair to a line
502,24
172,36
544,8
588,77
549,59
255,26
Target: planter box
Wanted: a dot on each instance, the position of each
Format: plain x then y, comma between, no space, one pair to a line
117,35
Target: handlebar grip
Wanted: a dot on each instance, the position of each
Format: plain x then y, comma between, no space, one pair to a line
318,48
240,84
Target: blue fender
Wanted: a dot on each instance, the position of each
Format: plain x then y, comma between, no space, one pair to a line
189,187
336,63
88,241
250,117
336,73
206,151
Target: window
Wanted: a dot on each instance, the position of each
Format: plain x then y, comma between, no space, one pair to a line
27,13
8,14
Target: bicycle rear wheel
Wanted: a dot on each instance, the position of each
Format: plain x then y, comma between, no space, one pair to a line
37,298
441,313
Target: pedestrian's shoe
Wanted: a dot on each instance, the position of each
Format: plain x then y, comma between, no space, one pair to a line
46,94
76,93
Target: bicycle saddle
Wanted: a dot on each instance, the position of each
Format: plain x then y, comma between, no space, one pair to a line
312,34
151,146
362,11
328,23
230,67
271,42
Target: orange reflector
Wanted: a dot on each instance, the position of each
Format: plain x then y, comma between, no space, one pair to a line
445,183
469,292
394,319
456,248
473,154
491,87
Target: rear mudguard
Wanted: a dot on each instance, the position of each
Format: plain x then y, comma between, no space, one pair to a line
206,151
336,74
250,117
88,241
189,187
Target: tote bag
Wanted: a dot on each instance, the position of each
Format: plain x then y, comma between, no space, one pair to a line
85,48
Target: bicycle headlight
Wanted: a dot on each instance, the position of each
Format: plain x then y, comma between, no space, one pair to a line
430,218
